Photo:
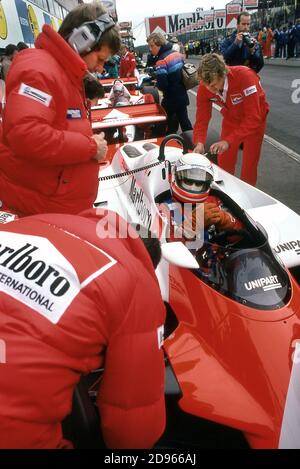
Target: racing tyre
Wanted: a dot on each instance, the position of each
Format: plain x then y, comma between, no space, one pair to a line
153,91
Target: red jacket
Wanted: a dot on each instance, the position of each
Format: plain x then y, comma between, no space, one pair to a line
46,149
70,301
244,110
127,65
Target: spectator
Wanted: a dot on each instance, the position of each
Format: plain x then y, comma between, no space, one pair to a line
127,63
283,42
276,36
269,40
175,44
237,52
297,37
169,80
244,108
49,156
112,66
291,41
10,52
93,300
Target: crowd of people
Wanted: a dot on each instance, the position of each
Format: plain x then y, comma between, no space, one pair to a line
49,177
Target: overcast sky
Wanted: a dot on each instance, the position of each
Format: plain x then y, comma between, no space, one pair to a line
137,10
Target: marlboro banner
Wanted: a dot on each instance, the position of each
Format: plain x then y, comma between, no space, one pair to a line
179,23
233,9
250,4
209,18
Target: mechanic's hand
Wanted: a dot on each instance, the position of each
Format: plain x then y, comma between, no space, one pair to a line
219,147
199,148
101,146
212,214
239,39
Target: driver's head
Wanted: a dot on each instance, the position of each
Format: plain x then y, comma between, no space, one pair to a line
192,177
118,87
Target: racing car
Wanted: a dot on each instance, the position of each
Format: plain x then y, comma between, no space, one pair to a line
135,117
232,338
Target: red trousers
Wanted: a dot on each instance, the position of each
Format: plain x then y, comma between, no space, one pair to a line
251,153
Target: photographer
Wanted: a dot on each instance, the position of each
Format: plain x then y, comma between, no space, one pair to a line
242,49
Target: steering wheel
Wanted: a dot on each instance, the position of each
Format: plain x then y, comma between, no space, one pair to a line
223,237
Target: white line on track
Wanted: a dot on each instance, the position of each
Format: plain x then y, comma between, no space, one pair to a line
279,146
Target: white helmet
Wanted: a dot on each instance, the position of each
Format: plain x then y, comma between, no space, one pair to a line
192,176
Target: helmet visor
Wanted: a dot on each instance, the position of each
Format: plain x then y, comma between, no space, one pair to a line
194,180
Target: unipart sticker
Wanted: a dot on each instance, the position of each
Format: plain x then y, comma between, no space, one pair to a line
265,283
35,94
290,246
34,272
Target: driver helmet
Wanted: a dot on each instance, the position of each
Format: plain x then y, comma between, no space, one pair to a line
192,176
118,86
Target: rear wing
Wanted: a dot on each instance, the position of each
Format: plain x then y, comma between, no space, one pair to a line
127,115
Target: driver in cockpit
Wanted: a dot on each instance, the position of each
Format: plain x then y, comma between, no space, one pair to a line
119,95
193,209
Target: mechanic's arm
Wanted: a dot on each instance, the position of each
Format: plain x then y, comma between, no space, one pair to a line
131,395
30,125
132,67
203,116
162,75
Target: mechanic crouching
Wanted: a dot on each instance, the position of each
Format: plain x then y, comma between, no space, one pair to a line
244,107
194,212
72,299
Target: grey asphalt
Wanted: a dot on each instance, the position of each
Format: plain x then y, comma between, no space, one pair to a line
279,174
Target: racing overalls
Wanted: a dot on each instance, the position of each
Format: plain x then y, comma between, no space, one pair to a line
244,108
71,302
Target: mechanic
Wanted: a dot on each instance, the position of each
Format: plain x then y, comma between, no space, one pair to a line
72,299
127,63
169,80
194,211
240,48
237,90
93,90
49,155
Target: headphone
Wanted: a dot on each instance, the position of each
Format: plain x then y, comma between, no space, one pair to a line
84,38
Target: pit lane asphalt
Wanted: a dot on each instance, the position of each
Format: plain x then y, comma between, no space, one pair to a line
279,167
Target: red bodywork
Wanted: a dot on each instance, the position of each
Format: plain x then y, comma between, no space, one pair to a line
233,363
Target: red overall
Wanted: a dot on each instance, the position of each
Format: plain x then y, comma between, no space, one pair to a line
244,111
70,302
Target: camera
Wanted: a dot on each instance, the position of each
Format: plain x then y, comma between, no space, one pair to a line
248,40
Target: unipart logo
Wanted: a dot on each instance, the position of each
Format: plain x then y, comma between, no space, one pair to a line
266,283
33,271
290,246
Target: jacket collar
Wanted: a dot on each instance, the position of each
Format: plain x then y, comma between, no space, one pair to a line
70,61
